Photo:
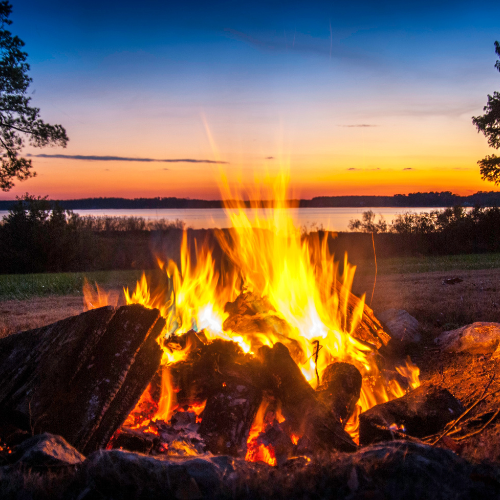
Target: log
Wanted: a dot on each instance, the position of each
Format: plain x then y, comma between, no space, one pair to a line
305,415
229,414
250,314
230,383
340,389
421,412
82,376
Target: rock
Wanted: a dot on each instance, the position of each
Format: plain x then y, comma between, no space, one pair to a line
46,450
421,412
478,338
120,474
390,471
452,281
401,325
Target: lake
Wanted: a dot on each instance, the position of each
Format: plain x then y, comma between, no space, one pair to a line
335,219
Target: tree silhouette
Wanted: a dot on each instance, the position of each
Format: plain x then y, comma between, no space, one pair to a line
18,120
489,125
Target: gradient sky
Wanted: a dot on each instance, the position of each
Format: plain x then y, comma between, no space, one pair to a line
353,97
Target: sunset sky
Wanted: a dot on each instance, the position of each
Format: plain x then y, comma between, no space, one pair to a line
353,97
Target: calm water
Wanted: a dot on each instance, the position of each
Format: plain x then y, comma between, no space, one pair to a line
335,219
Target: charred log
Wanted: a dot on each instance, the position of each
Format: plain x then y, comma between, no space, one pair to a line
250,314
421,412
340,389
135,440
82,376
305,416
230,383
229,414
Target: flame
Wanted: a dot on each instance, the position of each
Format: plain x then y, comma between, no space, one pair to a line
258,452
265,253
97,297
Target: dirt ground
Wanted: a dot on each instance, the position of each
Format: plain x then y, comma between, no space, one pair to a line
437,306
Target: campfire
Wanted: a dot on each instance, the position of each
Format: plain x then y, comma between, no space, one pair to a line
253,371
266,353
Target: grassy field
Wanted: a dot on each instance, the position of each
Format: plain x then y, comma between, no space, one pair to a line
406,265
26,286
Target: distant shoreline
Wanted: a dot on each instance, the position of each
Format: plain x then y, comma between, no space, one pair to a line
428,200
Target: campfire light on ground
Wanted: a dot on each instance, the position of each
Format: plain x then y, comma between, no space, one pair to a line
298,280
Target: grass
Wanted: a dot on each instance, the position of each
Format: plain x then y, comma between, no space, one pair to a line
444,263
26,286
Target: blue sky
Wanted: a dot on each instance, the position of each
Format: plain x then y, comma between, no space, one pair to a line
241,82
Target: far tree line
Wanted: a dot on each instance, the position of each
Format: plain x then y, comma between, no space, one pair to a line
431,199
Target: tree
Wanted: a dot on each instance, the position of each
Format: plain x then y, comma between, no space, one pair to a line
489,125
18,120
368,224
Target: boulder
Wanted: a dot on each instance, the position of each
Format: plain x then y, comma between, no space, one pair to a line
46,450
401,326
120,474
477,338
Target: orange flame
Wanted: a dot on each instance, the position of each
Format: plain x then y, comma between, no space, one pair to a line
300,279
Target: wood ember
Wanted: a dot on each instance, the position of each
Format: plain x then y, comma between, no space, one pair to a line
305,415
82,376
340,389
205,369
421,412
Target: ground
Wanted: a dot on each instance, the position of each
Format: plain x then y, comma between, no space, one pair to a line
437,306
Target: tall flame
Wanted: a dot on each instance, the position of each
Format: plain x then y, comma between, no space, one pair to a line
297,274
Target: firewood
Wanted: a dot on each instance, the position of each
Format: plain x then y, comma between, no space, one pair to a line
82,376
250,314
340,389
421,412
229,381
305,416
229,414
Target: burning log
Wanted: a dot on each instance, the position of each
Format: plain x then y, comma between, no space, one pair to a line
340,389
82,376
228,415
421,412
229,381
250,314
305,415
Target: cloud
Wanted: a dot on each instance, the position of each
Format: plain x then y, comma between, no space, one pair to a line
124,158
269,157
300,43
408,168
352,168
359,125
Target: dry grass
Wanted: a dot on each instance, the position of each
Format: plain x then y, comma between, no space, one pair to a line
437,307
19,315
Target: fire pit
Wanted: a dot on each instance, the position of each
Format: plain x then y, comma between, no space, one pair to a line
264,348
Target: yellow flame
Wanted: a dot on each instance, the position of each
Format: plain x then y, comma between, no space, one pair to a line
298,275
